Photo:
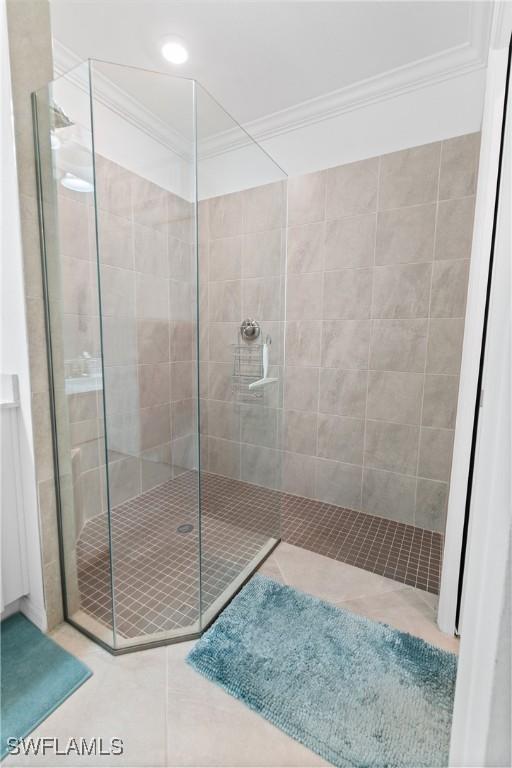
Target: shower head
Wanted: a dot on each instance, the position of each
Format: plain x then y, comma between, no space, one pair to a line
59,117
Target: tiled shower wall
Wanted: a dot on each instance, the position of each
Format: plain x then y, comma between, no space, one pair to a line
242,263
148,325
29,30
377,270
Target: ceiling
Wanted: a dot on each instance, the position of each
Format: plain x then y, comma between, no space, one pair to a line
259,58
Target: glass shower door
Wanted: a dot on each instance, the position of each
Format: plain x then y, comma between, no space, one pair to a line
242,227
166,336
117,181
145,215
64,140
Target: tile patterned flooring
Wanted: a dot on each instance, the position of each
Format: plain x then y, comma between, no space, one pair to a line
156,568
399,551
169,716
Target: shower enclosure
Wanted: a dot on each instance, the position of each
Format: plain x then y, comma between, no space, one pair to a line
163,236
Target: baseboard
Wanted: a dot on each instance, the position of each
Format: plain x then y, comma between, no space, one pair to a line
35,613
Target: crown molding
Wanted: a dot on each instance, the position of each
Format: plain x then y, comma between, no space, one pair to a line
501,24
454,62
106,92
432,70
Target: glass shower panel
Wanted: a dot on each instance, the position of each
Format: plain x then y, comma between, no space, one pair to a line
64,140
241,226
144,152
166,341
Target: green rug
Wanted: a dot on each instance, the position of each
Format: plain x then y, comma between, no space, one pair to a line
356,692
37,676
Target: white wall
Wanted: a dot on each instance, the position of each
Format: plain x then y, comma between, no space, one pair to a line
14,350
116,135
481,730
450,108
419,114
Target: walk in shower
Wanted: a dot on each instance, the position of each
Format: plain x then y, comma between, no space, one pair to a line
143,324
189,437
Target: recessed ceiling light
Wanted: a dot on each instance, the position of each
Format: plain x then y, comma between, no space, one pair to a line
174,51
75,183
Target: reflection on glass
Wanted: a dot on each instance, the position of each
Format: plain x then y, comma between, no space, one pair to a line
169,459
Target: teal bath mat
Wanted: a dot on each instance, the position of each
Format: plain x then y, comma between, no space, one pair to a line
356,692
37,676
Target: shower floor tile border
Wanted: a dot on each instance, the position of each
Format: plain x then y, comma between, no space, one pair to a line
156,568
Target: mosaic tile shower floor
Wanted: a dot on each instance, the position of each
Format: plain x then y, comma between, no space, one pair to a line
156,567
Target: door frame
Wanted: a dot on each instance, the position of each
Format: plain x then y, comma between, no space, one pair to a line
481,718
457,523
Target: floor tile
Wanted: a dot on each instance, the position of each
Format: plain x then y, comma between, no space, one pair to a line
156,563
208,727
125,698
326,578
169,715
406,610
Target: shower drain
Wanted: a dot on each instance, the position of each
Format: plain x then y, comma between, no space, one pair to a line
185,528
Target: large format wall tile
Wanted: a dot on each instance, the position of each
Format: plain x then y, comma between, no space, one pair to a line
375,266
340,438
399,345
154,384
352,189
155,426
345,344
224,302
454,230
298,474
405,235
224,457
306,198
259,425
301,388
306,248
459,166
431,502
401,291
449,288
303,342
304,297
263,253
264,207
152,340
409,177
445,345
225,258
349,242
388,494
149,245
347,293
395,396
152,297
220,380
261,466
343,392
74,231
300,432
391,446
261,298
440,401
225,216
118,239
337,483
435,453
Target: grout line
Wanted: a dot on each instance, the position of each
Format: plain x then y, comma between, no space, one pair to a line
377,201
428,330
